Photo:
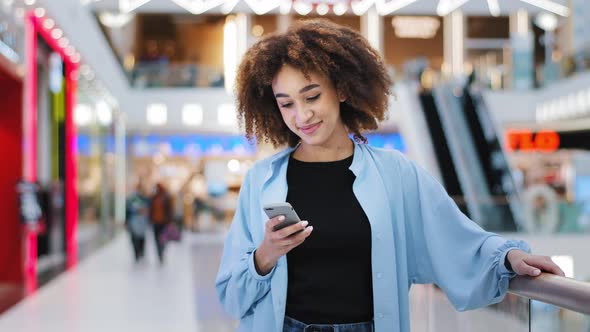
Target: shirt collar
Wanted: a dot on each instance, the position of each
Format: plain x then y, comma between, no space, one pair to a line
356,165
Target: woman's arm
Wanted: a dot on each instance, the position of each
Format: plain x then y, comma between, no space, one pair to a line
451,250
239,286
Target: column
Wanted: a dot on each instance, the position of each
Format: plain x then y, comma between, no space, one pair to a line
454,43
284,22
372,28
521,45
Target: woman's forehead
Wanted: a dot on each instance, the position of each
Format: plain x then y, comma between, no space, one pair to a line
289,77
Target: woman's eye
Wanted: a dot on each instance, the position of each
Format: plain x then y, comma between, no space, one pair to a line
287,105
314,97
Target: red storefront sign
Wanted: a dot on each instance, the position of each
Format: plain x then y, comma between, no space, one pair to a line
530,141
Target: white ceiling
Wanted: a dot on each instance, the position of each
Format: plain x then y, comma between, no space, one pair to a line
81,27
422,7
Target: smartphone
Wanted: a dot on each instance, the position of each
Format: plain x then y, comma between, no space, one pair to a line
282,209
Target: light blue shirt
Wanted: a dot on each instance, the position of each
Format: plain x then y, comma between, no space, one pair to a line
418,236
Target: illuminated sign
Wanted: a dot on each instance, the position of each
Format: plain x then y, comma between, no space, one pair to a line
527,140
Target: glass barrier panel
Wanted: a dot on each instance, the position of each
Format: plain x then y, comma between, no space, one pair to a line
549,318
430,310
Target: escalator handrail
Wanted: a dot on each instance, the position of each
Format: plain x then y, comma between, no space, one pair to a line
553,289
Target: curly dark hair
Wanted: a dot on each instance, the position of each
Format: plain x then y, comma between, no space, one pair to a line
341,54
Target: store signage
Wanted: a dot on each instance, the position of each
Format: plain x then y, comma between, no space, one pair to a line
422,27
527,140
30,208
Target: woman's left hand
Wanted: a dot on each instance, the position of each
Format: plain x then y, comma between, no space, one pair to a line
526,264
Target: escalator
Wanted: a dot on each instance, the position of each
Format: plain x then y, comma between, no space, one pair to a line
449,176
467,156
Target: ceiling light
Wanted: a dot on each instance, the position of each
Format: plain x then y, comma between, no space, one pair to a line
228,6
115,20
360,7
104,113
302,8
82,114
48,23
546,21
551,6
157,114
494,8
233,165
192,114
322,9
285,7
76,57
340,9
57,33
226,115
70,50
30,2
39,12
63,42
261,7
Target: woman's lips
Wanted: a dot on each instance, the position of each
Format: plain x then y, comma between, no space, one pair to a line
309,130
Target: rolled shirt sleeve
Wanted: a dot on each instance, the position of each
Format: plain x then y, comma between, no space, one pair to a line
238,284
455,253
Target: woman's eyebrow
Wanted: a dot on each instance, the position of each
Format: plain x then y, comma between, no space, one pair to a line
305,89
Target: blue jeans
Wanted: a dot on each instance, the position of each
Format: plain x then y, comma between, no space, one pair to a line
293,325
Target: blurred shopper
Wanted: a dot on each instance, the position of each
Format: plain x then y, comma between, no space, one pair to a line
161,215
569,211
541,209
136,220
374,222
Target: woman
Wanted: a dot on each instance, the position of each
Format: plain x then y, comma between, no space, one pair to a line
374,223
136,220
161,214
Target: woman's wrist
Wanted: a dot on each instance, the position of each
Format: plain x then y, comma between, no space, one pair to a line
262,262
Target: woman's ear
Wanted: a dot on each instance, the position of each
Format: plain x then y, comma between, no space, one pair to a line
341,97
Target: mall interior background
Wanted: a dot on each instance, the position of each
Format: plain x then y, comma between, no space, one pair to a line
491,96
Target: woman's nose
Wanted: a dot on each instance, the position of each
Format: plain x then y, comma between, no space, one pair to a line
304,114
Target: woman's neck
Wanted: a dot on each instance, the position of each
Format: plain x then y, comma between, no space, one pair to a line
321,153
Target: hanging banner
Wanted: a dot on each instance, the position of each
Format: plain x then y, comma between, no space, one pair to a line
29,205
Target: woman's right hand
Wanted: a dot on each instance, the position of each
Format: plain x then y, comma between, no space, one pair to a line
277,243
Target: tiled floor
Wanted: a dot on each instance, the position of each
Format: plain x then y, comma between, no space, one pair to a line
109,292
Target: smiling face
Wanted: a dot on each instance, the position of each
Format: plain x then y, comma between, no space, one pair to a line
309,107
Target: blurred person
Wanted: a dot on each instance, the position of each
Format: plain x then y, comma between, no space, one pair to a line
569,211
541,210
373,222
161,214
136,220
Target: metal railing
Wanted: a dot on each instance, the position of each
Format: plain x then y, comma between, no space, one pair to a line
549,288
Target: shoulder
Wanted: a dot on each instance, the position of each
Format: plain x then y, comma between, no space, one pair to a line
389,158
261,167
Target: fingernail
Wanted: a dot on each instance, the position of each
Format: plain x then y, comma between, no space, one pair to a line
536,272
281,218
310,228
304,223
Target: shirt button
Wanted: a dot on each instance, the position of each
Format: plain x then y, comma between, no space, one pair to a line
379,275
378,236
380,315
